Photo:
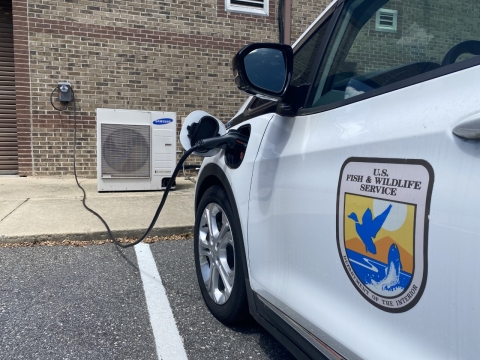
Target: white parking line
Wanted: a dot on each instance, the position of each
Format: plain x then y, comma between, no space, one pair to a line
167,339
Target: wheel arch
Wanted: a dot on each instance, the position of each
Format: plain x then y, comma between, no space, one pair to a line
212,175
206,180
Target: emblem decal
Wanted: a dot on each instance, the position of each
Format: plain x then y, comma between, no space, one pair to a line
163,121
382,228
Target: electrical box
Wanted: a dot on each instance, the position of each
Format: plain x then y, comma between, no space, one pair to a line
64,91
136,150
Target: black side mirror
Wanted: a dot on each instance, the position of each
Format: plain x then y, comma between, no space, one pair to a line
264,69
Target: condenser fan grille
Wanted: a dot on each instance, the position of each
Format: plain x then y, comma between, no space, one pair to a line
125,151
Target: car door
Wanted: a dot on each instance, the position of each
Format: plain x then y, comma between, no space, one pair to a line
362,226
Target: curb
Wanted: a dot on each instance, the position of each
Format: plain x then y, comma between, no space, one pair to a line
94,235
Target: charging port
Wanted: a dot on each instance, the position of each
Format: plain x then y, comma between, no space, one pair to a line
234,156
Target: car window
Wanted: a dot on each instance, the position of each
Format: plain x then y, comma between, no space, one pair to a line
304,57
378,43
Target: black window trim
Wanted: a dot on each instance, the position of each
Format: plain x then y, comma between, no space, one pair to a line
337,10
249,113
446,70
317,25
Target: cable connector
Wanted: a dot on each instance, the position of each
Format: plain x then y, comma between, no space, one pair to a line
231,139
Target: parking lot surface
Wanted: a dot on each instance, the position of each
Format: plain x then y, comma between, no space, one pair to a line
67,302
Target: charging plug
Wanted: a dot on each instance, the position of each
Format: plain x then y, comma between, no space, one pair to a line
231,139
207,127
64,92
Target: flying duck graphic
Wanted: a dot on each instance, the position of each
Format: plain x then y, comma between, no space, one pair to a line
369,227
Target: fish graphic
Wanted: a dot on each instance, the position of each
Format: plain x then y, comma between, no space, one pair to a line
392,271
369,227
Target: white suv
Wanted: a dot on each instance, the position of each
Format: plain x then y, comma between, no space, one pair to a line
348,225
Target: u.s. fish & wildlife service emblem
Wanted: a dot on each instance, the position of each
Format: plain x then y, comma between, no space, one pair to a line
382,228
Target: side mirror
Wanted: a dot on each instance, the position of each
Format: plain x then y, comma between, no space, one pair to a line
200,125
264,69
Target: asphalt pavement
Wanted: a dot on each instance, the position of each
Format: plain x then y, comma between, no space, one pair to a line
204,336
92,301
66,302
73,303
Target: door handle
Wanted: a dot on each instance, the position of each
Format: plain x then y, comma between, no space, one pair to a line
468,128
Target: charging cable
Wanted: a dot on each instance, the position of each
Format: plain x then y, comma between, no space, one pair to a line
231,139
65,93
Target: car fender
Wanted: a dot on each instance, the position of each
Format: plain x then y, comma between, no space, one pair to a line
236,182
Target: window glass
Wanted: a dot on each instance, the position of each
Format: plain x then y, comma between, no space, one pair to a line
381,42
304,57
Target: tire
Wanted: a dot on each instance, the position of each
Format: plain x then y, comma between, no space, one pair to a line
218,261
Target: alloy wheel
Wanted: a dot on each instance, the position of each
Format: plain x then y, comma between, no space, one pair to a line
216,252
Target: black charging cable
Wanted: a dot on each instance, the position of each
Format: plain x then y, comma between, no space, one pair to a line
159,209
165,194
231,139
56,88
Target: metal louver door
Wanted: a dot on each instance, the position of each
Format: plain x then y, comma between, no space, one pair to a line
8,121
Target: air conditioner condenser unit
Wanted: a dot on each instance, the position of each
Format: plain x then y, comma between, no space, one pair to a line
136,150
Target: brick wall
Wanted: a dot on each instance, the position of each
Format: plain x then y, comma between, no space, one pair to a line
173,56
143,54
304,12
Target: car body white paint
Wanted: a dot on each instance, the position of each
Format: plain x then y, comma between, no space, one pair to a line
294,261
240,179
286,193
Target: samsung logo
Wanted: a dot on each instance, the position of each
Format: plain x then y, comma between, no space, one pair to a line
163,121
